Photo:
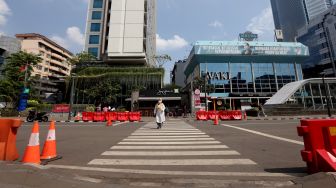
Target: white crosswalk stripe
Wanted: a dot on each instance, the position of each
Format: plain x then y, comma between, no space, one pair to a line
168,153
168,147
167,139
177,145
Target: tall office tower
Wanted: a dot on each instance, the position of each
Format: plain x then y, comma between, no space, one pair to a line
289,16
316,7
122,31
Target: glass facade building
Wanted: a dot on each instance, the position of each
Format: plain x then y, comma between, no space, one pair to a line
289,16
320,36
245,70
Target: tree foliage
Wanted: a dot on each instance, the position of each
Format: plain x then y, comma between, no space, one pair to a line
82,57
162,59
18,67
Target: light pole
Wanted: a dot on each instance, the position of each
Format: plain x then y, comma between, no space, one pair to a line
326,94
71,94
204,74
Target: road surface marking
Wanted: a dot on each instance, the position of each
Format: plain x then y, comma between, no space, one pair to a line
169,147
166,131
266,135
167,139
169,129
169,143
195,136
179,173
169,153
171,162
158,133
91,180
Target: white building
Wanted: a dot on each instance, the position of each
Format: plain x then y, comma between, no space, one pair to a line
122,31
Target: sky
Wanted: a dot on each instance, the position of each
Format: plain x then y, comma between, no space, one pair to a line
180,23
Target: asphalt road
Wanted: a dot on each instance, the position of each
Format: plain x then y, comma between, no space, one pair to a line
182,154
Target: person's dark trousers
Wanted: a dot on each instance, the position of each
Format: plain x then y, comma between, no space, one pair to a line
159,125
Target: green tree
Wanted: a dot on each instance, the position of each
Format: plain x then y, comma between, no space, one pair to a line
162,59
17,71
82,57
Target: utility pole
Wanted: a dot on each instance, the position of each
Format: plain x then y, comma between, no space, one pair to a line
326,94
71,95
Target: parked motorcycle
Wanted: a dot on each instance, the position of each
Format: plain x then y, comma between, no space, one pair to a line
39,116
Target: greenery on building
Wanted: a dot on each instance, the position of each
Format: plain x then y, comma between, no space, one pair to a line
108,84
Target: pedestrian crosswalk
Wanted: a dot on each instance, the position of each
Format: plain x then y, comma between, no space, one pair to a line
177,148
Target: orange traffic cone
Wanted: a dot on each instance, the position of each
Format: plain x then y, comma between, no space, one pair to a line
109,122
32,152
49,149
216,120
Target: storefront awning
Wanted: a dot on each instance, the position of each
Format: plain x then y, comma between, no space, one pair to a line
157,98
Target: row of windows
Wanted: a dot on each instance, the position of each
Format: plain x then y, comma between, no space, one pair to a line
95,27
94,39
98,4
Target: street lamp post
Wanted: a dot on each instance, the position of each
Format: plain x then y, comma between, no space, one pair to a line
326,94
204,74
71,95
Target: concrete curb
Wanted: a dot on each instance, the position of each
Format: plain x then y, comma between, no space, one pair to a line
273,119
90,121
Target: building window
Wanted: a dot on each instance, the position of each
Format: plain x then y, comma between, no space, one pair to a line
98,4
93,51
96,15
95,27
94,39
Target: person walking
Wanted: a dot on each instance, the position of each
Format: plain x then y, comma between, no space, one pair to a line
261,110
159,112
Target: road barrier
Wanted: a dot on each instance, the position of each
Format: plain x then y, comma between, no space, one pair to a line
123,116
111,116
212,115
8,131
319,144
223,115
87,116
202,115
99,116
134,116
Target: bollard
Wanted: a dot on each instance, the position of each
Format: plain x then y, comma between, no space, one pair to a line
8,131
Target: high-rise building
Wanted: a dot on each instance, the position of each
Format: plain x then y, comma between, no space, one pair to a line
319,35
122,31
289,16
54,63
8,45
316,7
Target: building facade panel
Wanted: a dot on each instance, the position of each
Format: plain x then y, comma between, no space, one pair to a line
127,32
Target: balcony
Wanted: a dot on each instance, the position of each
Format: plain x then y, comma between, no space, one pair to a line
324,61
324,50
